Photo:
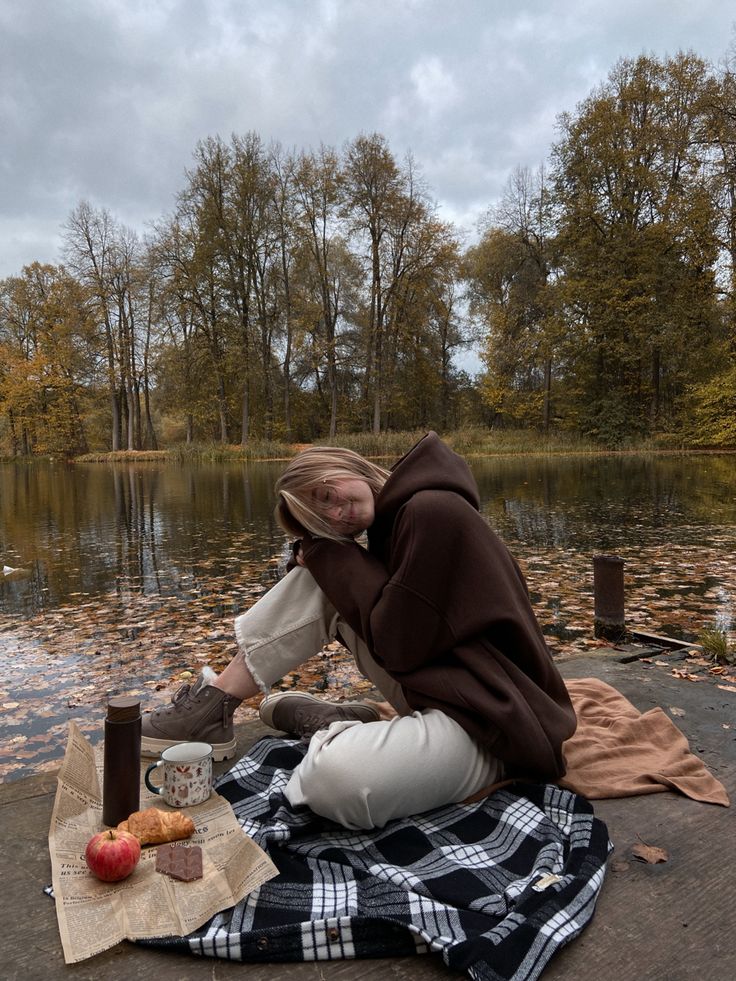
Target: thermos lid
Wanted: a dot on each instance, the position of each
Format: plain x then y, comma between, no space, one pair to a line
123,708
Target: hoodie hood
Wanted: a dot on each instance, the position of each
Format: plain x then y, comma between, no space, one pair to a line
429,465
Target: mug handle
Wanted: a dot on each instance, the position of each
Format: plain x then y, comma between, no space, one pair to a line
152,787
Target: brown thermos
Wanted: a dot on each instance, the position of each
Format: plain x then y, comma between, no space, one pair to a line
121,782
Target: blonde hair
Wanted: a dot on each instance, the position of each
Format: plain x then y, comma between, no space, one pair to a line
297,509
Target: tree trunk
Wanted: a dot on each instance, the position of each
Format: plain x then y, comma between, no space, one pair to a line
267,378
332,383
377,383
151,441
78,424
245,398
114,401
287,384
245,413
547,403
130,400
222,409
656,372
15,442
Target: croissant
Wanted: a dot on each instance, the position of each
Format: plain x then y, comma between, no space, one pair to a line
153,827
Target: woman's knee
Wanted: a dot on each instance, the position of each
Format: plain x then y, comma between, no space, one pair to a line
331,781
364,774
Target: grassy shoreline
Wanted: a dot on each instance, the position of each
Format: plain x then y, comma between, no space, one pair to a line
467,442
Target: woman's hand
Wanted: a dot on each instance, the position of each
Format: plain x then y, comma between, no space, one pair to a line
297,556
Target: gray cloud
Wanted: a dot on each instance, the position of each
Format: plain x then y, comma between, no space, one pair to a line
106,99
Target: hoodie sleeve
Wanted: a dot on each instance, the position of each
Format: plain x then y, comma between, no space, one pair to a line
351,577
401,611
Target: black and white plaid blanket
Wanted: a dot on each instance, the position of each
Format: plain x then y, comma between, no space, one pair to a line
496,887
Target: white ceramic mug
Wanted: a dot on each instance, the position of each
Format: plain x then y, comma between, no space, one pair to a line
187,774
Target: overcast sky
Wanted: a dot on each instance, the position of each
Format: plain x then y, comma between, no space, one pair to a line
104,100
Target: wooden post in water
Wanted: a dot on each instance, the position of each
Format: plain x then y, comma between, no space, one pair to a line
608,595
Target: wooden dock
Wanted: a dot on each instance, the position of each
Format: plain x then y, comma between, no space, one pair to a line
674,921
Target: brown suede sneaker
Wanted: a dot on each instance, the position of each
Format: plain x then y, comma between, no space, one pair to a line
302,714
199,713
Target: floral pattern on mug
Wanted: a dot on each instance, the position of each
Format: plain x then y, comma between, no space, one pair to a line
184,783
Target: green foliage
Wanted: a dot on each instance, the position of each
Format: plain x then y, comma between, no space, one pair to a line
713,410
218,453
715,644
387,444
468,442
480,441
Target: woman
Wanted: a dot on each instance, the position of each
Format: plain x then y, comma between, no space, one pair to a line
436,613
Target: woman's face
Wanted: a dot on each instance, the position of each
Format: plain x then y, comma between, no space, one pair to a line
349,504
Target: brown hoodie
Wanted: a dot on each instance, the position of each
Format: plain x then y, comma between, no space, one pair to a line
444,608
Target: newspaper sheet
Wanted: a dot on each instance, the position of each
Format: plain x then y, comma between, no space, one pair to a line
94,915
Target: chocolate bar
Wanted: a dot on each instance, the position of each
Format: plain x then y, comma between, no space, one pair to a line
182,862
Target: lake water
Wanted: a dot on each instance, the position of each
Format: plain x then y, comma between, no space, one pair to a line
129,574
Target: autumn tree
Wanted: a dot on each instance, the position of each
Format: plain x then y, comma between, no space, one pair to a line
406,253
327,272
720,138
47,359
711,405
107,259
88,250
199,322
180,361
510,276
636,231
423,327
234,269
283,167
255,265
375,188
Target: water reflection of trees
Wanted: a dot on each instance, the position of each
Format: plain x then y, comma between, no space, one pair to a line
153,529
599,501
136,557
165,529
180,518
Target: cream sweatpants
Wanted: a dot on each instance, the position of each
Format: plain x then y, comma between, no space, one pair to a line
360,775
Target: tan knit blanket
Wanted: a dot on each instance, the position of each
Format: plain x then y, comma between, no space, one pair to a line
618,751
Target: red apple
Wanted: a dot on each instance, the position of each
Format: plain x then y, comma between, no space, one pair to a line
112,855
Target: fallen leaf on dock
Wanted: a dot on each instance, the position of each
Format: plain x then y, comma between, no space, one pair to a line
650,854
685,675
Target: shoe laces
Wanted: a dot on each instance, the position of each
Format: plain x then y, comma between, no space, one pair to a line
185,695
306,723
180,701
181,696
